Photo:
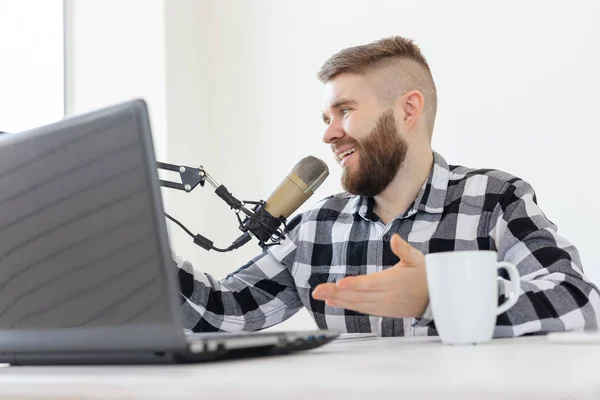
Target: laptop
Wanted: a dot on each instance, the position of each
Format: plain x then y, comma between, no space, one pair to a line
86,274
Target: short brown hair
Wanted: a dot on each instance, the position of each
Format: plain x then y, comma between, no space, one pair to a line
392,52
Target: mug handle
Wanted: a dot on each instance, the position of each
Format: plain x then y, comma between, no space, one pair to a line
513,294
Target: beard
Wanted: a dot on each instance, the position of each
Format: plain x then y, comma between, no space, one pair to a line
381,153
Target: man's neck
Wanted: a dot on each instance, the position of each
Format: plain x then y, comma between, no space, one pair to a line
404,189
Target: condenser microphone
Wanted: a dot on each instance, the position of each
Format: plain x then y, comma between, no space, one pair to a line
308,174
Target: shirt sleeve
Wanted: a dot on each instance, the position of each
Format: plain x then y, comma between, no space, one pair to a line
555,293
260,294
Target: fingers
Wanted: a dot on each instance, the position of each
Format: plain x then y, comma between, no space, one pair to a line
334,293
376,281
361,307
324,291
407,254
364,302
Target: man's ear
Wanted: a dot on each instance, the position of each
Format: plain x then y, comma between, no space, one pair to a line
410,105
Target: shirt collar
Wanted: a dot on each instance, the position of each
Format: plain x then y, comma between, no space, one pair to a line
431,197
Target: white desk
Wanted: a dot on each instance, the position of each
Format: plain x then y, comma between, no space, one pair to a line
394,368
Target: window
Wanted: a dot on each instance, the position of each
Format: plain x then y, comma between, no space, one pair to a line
31,63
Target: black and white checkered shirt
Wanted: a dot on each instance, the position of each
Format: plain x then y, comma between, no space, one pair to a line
457,209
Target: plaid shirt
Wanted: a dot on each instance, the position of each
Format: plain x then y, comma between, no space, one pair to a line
457,209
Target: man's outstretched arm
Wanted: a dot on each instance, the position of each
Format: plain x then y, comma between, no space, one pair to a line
258,295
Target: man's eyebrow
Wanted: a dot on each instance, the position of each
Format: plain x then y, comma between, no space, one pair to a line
340,103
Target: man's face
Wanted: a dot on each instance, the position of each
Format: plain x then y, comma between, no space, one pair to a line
362,135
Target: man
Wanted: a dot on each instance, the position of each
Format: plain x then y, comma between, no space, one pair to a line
356,260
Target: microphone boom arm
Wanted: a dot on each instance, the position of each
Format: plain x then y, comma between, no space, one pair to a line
192,177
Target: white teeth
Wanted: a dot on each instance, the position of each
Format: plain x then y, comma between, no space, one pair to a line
347,152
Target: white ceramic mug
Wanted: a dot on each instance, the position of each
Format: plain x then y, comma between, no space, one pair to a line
463,293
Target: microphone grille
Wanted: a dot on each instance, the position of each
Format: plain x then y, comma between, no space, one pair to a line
312,171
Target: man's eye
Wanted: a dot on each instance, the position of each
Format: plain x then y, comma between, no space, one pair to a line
345,111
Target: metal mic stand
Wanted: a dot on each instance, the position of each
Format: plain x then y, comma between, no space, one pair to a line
256,221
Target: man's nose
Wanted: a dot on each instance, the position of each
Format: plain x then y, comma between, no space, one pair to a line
333,133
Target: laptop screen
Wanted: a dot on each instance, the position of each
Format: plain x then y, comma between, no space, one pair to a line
78,247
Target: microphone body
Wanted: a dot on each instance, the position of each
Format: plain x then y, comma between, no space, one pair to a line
291,193
308,174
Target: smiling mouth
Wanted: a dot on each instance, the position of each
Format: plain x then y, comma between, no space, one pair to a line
345,154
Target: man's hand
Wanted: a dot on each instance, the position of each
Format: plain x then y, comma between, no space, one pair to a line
399,291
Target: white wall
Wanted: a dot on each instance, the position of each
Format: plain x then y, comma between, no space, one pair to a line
236,81
31,63
517,83
188,28
115,51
